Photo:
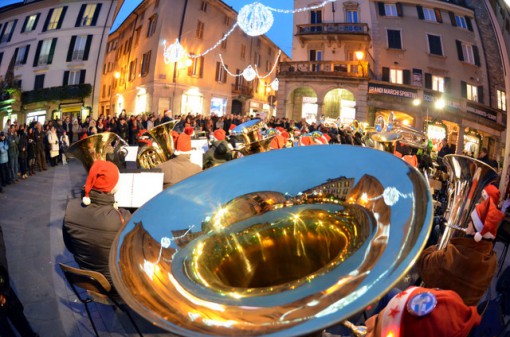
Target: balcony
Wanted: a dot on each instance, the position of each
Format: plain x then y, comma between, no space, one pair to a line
333,32
325,69
242,91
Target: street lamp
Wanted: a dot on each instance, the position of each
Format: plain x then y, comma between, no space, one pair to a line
359,56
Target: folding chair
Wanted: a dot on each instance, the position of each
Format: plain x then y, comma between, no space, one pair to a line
98,290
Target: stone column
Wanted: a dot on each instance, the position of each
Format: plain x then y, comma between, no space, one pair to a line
460,140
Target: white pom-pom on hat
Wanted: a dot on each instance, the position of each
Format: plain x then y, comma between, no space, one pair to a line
86,201
478,237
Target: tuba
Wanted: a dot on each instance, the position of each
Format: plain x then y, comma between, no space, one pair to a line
254,140
467,179
162,149
273,254
102,146
412,137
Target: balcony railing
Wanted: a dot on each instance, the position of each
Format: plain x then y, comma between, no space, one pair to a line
332,28
325,68
242,90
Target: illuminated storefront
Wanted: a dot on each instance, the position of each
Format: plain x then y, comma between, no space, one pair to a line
472,144
141,101
37,116
218,106
309,109
192,102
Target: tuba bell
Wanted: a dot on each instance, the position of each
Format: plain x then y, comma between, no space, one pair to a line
467,177
412,137
278,255
162,148
102,146
254,140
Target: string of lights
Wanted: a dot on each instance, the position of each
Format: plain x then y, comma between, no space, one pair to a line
249,73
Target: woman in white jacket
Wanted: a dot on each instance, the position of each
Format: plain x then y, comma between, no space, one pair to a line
54,146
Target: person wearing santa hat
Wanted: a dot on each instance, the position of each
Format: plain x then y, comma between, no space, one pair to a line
91,223
220,150
467,264
180,167
422,312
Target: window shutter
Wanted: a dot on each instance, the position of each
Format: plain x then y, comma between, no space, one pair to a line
468,23
201,66
12,30
447,84
420,12
25,58
52,50
407,76
463,89
82,76
15,55
218,65
428,81
71,49
382,11
452,19
80,16
1,58
47,21
87,48
37,53
386,74
480,94
36,20
459,50
24,24
476,54
66,77
224,79
96,14
62,15
399,9
439,17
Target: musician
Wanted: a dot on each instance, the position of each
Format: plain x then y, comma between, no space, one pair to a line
90,224
418,312
180,167
467,264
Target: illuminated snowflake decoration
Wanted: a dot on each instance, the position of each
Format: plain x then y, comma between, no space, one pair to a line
174,52
249,73
275,84
165,242
391,196
255,19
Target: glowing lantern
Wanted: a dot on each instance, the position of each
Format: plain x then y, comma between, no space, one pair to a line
275,84
249,73
174,52
255,19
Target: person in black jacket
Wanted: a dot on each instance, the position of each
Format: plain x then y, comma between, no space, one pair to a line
11,308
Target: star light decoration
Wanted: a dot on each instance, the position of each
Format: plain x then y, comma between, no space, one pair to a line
254,19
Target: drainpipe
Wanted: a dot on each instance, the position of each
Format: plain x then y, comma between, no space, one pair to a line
174,77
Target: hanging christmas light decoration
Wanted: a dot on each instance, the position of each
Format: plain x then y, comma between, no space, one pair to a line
255,19
249,73
174,52
274,85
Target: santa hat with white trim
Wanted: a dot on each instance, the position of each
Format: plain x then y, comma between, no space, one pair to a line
486,216
103,177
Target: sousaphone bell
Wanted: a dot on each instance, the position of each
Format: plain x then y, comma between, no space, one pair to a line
281,254
104,146
161,149
254,140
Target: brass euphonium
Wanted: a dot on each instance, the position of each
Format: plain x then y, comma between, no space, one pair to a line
467,177
161,149
104,146
275,254
253,139
412,137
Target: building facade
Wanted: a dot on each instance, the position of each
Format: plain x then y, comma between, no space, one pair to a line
53,51
207,79
427,64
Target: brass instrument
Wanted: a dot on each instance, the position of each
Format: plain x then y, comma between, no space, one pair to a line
467,179
162,148
253,139
278,252
385,140
412,137
105,146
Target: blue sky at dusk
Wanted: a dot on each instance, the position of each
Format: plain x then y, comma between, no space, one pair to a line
280,33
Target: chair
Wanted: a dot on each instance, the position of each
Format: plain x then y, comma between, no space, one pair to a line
98,290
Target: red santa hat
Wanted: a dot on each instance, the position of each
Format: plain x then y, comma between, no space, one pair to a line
175,135
219,134
285,135
232,127
103,177
279,129
486,216
278,142
306,141
189,130
425,312
183,145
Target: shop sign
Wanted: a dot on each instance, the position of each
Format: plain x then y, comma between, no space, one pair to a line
486,113
254,105
381,89
429,98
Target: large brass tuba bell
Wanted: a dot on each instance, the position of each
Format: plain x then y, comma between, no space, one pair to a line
105,146
162,148
253,139
467,177
412,137
278,255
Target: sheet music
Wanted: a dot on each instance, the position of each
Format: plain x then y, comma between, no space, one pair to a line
135,189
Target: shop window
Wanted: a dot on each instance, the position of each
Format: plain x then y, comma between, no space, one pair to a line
438,83
221,74
435,46
394,39
55,18
39,82
396,76
200,30
30,23
501,100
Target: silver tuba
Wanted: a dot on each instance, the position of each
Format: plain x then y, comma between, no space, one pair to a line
467,179
104,146
162,148
277,252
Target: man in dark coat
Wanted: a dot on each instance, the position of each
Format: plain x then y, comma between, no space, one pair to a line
11,309
90,224
123,129
40,158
